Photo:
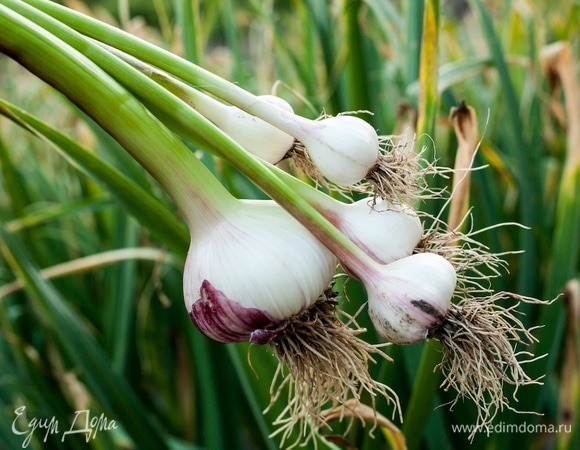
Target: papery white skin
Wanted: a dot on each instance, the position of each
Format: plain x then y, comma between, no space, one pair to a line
344,148
253,134
262,259
386,232
410,297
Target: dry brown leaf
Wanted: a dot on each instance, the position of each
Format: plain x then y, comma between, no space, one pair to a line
570,379
558,65
353,408
465,124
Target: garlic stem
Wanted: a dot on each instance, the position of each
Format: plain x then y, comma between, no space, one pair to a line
175,168
299,127
191,185
174,171
227,227
344,148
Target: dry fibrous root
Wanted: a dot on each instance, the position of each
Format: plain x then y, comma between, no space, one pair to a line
322,364
480,342
484,342
401,173
300,159
474,264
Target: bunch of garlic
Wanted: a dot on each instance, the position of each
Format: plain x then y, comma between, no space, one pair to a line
402,287
409,275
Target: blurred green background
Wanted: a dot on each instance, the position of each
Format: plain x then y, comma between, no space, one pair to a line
111,334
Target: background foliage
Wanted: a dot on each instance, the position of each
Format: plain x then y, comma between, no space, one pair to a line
112,336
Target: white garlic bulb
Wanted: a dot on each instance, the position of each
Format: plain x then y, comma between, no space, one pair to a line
410,298
249,272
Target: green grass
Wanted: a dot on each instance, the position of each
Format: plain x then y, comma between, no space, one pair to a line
116,340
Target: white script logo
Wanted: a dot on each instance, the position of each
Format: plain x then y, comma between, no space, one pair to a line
82,422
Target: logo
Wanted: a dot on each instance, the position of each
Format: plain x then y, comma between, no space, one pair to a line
82,423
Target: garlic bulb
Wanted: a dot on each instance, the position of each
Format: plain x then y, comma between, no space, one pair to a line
410,298
253,134
343,148
252,271
386,232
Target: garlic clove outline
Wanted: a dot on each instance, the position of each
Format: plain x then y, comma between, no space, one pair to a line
410,298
